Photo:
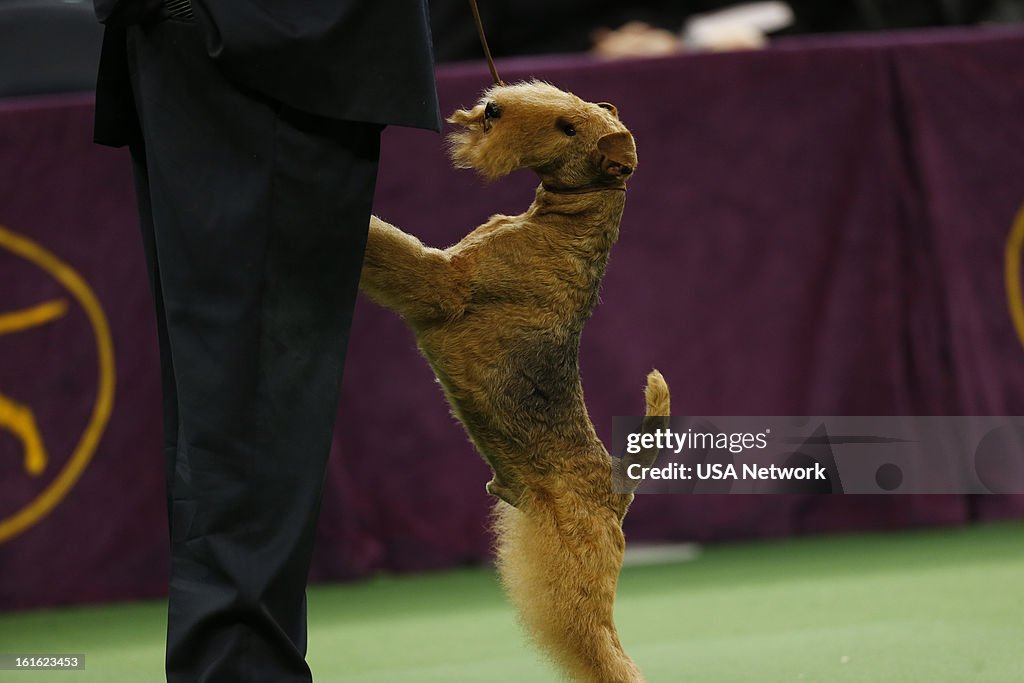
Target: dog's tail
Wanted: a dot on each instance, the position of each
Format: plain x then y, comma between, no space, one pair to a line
656,394
657,417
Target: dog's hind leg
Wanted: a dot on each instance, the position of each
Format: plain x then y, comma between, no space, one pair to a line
559,563
559,556
415,281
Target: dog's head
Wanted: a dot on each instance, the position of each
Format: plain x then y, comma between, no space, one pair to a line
566,141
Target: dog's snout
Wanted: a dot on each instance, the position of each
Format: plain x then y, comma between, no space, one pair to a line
618,154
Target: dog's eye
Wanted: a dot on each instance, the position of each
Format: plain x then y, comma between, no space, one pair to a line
567,128
492,111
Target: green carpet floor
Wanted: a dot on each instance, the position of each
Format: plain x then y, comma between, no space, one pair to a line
930,606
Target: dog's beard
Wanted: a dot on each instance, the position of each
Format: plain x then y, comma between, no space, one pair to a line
470,149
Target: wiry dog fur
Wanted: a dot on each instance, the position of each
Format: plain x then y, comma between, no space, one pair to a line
498,316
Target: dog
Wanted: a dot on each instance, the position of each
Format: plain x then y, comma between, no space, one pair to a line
498,316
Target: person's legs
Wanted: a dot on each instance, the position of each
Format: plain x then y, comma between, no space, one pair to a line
169,389
259,221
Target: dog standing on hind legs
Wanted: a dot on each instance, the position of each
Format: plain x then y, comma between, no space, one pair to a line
498,316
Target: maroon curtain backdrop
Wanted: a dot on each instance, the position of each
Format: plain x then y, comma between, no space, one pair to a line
818,228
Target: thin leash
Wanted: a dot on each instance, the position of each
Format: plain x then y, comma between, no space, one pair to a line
483,42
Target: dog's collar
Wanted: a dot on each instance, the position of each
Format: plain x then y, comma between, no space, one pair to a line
583,189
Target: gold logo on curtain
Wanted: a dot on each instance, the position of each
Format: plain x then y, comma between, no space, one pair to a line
1011,274
18,417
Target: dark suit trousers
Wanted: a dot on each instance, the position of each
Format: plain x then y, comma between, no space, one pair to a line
254,220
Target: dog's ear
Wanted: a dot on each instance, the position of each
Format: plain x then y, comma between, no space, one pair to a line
610,107
618,154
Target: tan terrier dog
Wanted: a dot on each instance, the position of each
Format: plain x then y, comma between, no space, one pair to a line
498,316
